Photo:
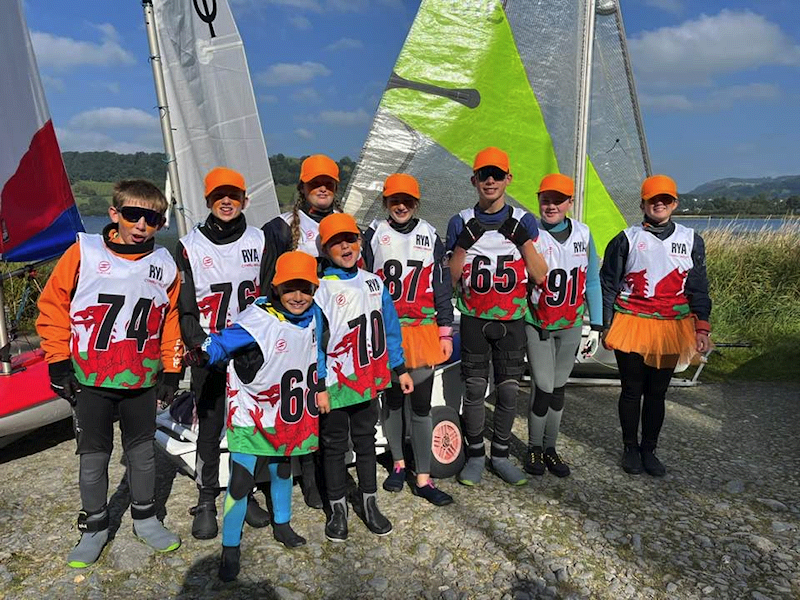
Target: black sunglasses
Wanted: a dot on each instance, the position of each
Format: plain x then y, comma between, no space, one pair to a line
495,173
132,214
665,199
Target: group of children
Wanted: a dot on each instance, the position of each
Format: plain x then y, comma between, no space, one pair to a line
293,330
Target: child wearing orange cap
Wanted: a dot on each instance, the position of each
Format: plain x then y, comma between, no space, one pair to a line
554,320
655,312
407,254
271,351
493,256
363,349
298,229
219,262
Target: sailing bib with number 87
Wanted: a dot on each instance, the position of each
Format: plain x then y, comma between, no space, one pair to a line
116,315
494,277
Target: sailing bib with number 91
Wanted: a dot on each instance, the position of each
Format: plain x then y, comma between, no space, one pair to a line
116,337
358,361
494,277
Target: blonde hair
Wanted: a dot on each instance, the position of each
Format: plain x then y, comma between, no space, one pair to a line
140,190
299,203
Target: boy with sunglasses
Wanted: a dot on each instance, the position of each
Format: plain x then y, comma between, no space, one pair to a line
108,320
493,256
219,262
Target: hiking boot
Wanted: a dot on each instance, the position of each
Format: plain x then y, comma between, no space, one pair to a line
507,471
204,524
229,563
652,465
396,479
554,463
366,507
287,536
534,462
431,493
336,527
632,460
255,516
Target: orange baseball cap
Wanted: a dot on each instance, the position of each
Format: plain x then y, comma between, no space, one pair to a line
401,183
295,265
491,157
336,223
220,176
556,182
316,165
659,184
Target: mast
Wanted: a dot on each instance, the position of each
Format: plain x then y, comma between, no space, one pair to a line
584,97
163,109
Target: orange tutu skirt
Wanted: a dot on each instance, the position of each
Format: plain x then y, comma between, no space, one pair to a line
662,342
421,346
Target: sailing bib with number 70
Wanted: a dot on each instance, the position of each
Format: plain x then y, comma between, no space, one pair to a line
357,356
404,261
275,414
559,302
225,275
494,277
116,315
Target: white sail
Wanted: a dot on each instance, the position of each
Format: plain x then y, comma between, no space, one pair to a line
212,106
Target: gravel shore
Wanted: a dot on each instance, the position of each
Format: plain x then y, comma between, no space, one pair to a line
723,523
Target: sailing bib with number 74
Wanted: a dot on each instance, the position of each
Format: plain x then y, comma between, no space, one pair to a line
275,414
559,302
357,357
116,315
404,261
225,275
494,277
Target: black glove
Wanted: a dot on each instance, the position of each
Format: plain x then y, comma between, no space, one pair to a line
196,357
63,381
166,386
471,233
514,231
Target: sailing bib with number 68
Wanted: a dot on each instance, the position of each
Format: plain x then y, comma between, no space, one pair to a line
357,357
117,314
225,275
275,414
404,262
559,302
494,278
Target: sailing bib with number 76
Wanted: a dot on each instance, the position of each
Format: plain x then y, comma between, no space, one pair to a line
116,315
494,277
357,356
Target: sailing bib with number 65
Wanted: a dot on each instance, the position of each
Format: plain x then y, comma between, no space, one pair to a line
559,302
656,273
404,261
494,278
275,414
357,357
225,275
117,314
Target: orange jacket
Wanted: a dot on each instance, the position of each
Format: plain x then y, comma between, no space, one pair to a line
53,323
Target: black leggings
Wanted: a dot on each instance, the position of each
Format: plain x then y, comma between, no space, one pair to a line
209,393
640,380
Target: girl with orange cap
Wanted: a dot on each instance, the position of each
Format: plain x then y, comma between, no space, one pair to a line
272,352
407,254
363,349
655,313
554,320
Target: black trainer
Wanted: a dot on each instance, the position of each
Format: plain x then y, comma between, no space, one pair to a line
632,460
229,563
255,516
431,493
396,480
534,462
554,463
204,524
336,527
366,507
652,465
287,536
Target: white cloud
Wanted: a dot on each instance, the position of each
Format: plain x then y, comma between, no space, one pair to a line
665,102
304,133
85,141
53,83
63,53
343,118
726,97
345,44
113,117
291,73
112,86
713,100
307,95
300,22
697,51
671,6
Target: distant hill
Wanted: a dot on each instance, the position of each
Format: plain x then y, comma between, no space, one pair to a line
736,187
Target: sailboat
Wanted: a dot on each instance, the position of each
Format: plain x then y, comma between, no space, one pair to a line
38,219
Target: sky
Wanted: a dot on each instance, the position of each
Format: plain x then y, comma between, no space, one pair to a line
718,80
